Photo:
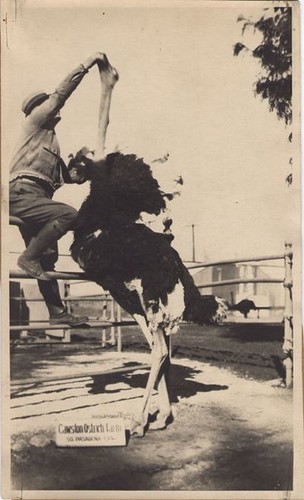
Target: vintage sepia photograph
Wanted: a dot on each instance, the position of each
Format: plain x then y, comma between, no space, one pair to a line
151,250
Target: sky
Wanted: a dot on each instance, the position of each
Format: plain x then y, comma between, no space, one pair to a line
181,91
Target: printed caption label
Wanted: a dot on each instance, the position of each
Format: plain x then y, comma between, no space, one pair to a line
91,431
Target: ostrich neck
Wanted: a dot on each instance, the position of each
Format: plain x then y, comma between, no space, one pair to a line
103,122
108,78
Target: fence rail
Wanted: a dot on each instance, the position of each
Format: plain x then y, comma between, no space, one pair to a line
212,263
239,281
53,274
90,324
85,298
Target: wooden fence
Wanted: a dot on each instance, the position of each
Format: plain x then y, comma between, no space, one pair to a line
116,321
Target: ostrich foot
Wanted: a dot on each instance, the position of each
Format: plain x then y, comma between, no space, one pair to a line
137,427
161,421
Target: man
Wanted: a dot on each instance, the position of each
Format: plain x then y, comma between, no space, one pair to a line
36,172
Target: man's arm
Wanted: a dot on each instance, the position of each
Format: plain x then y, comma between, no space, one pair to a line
56,101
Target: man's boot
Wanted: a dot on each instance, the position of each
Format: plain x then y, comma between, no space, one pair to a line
58,312
66,318
29,260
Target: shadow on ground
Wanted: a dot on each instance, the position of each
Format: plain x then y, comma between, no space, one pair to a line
181,382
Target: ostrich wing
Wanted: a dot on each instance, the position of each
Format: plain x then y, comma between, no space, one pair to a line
127,299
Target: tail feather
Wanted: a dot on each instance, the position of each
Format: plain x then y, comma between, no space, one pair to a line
200,309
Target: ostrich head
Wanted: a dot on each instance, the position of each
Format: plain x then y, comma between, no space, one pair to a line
79,165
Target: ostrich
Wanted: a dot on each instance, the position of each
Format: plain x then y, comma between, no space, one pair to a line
139,267
244,307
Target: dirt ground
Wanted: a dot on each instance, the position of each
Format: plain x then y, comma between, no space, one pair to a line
232,426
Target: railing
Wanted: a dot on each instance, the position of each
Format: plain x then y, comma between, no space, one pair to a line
287,282
114,322
238,281
117,321
211,263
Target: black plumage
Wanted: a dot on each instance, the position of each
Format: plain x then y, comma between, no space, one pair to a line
122,187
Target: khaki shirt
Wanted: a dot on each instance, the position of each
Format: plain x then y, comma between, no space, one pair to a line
37,153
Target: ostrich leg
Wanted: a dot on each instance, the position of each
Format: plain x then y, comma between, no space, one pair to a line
164,406
108,78
159,355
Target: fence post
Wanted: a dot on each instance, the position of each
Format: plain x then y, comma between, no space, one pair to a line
67,293
66,336
119,343
112,340
104,330
288,315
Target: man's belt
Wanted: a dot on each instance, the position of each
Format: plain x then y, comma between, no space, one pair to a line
26,179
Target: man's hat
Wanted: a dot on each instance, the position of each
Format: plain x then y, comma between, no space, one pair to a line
33,100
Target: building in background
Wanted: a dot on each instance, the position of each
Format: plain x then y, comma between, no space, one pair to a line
267,296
